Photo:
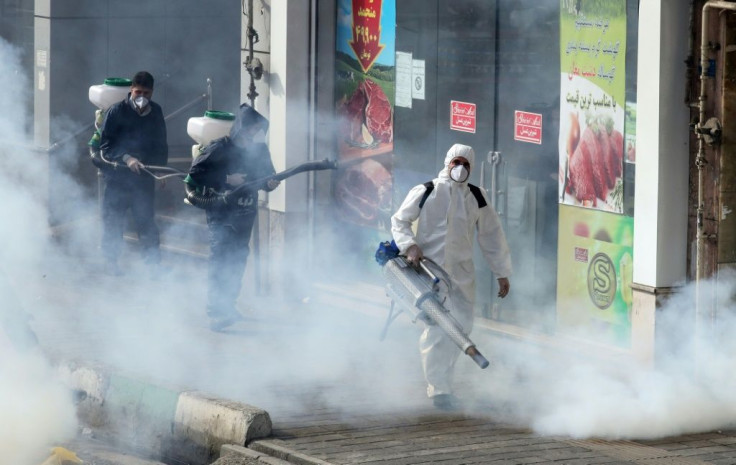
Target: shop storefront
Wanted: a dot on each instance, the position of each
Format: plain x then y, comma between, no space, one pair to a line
545,92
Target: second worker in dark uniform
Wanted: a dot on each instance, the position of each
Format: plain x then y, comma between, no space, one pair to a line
223,165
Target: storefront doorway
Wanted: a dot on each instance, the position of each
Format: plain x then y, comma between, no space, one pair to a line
482,63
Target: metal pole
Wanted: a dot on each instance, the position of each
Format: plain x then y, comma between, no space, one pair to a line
700,160
704,317
252,94
185,107
312,180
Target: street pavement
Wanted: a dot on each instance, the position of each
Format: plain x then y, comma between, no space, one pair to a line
309,354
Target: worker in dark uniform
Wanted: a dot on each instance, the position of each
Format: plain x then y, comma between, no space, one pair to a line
133,133
223,165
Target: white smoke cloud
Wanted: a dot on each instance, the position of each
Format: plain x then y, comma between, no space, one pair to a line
37,409
296,338
690,388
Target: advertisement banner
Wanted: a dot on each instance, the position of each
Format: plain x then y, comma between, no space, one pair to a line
592,102
594,275
630,133
364,86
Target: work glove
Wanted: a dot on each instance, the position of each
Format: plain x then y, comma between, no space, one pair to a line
414,255
503,287
235,179
135,165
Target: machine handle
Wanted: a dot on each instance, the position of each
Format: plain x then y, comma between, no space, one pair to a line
432,276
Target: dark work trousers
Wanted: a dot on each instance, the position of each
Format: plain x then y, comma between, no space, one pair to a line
229,237
128,191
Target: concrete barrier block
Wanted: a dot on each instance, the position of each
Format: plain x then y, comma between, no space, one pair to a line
189,426
93,382
208,422
140,413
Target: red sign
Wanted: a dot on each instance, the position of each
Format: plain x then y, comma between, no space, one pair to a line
462,116
528,127
581,254
366,32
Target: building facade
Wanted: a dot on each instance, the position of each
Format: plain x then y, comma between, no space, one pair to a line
600,130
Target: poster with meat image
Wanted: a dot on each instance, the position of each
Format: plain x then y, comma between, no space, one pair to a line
592,105
366,119
364,92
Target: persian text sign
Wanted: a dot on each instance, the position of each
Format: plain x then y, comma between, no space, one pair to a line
462,116
528,127
366,32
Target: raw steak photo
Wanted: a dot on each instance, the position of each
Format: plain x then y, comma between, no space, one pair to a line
596,163
367,116
363,192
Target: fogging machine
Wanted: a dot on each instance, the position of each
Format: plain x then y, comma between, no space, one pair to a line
416,290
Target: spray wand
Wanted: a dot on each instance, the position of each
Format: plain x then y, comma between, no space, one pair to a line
99,160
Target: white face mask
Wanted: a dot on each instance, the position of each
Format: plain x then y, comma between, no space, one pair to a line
459,173
141,102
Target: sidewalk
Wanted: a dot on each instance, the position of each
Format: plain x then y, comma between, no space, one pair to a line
334,392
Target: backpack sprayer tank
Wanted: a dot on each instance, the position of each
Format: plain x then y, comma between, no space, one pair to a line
211,126
103,96
214,125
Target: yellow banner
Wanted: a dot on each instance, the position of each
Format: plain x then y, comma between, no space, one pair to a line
594,274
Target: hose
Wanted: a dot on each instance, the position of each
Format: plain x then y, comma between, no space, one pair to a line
258,184
201,200
213,198
99,160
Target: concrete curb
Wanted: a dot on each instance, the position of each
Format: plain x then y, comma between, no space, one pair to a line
275,448
231,450
165,422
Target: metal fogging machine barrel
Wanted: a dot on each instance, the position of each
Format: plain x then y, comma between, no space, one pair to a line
416,290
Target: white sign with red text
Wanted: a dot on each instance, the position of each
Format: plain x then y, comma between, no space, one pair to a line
462,116
528,127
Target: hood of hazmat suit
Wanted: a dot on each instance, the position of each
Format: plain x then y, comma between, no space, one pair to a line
457,150
244,123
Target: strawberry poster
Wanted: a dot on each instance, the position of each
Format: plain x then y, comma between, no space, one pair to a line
592,103
364,86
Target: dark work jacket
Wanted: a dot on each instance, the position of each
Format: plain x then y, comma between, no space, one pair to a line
221,157
124,131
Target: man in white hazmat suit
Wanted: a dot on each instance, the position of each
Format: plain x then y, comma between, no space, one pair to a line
448,218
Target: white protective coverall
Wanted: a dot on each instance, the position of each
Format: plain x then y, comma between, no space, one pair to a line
446,225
